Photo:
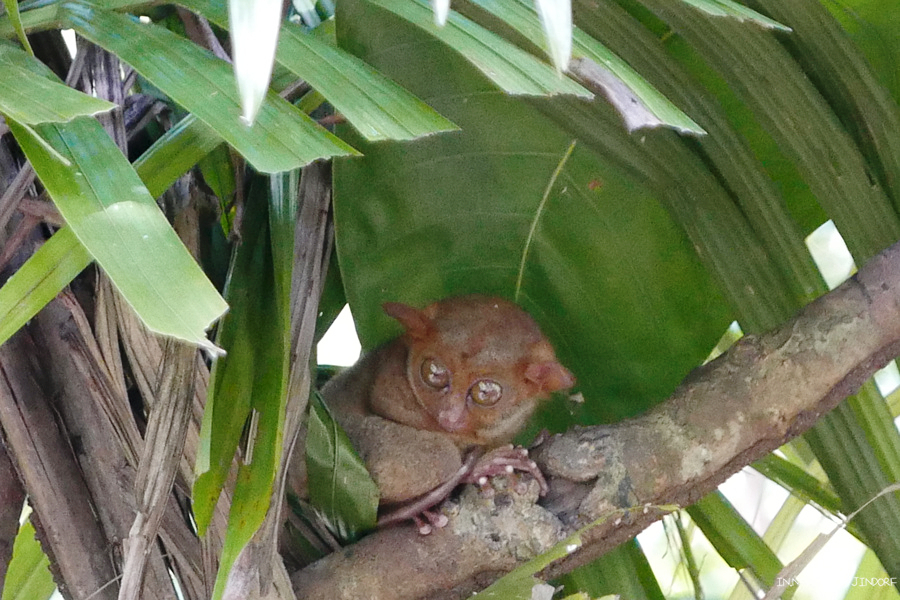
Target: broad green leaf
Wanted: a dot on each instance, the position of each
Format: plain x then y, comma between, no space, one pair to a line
29,96
339,485
248,384
376,106
590,254
28,576
657,105
749,181
726,239
797,117
727,8
874,28
849,83
116,219
282,138
254,28
40,279
510,68
520,15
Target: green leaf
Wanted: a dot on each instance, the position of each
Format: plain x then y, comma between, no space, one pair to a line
28,576
521,16
40,279
849,83
29,94
797,117
35,16
870,567
12,9
623,571
114,217
339,485
281,139
518,583
799,482
734,539
746,177
727,8
248,385
510,68
376,106
217,169
175,153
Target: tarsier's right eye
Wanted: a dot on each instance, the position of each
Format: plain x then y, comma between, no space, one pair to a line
434,374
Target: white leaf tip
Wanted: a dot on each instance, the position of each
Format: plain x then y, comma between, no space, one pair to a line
441,11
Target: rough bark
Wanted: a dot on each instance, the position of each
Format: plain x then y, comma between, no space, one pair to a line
162,453
760,394
70,533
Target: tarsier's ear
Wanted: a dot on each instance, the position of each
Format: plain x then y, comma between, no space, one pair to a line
415,321
549,376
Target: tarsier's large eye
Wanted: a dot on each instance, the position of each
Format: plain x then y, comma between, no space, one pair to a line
434,374
486,392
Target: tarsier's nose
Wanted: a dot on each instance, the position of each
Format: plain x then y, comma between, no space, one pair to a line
452,417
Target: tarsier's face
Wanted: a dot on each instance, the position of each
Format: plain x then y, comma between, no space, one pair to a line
478,365
457,396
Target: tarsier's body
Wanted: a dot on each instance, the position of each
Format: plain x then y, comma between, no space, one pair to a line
467,374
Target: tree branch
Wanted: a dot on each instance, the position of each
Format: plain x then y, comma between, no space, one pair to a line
764,391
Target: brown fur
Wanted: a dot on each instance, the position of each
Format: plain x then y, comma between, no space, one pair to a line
477,342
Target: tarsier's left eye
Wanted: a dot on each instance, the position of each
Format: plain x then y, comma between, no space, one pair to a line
486,392
434,374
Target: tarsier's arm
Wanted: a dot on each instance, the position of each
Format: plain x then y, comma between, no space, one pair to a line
405,462
461,382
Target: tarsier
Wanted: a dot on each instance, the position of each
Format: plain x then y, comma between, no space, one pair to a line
445,398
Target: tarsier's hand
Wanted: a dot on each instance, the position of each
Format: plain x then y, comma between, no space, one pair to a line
505,460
